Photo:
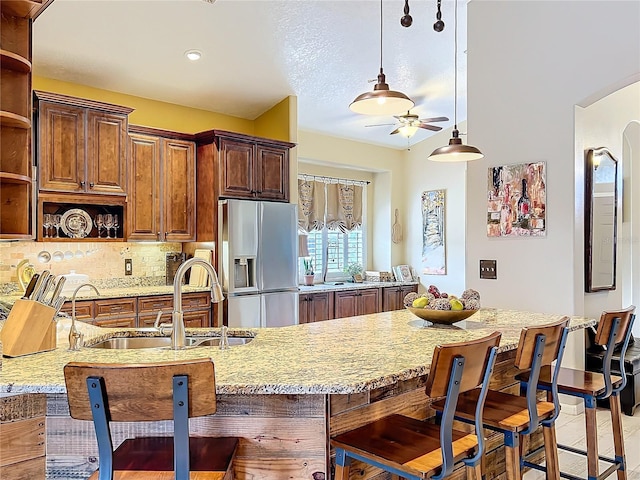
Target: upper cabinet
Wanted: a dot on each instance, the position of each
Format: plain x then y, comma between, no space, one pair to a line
81,145
234,165
16,165
162,186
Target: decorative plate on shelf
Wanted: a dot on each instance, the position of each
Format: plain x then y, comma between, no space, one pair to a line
444,317
76,223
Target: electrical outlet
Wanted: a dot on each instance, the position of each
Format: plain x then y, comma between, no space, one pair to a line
128,266
489,269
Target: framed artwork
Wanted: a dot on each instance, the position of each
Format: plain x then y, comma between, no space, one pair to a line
402,273
517,200
433,234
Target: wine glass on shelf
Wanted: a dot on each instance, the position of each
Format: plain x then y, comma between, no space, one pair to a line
47,222
99,223
115,225
108,223
57,220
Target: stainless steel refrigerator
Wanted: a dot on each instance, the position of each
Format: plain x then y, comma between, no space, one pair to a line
258,263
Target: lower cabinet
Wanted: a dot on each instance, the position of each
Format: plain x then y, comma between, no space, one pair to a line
314,307
393,297
364,301
22,436
132,312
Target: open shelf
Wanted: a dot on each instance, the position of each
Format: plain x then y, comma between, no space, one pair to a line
13,178
21,8
8,119
92,210
15,62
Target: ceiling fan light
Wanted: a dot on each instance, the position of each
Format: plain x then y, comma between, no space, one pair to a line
408,131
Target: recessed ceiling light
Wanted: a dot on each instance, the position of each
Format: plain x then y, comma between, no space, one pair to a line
193,55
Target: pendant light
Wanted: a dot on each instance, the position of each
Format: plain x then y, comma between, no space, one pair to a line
456,151
381,101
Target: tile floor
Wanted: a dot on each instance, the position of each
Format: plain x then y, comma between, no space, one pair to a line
570,431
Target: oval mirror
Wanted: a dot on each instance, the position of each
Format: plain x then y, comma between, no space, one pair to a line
601,205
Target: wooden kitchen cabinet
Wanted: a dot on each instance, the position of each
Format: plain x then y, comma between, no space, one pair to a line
357,302
16,167
393,297
162,187
253,169
315,307
81,145
234,165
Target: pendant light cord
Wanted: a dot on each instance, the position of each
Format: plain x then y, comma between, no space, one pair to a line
455,66
380,35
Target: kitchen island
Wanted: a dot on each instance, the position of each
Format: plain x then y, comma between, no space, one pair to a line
287,391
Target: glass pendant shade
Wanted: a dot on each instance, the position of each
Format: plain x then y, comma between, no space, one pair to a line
456,151
381,101
408,131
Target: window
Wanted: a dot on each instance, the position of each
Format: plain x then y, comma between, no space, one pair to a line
337,250
340,205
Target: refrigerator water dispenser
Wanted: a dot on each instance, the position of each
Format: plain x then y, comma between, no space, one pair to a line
244,272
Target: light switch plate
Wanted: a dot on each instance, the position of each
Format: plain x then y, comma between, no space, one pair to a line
489,269
128,266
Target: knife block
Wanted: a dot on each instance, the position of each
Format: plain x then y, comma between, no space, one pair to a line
29,328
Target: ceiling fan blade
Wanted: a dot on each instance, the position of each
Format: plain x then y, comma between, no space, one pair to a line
380,125
430,127
395,131
434,119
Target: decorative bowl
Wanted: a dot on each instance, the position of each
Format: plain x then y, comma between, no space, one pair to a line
442,317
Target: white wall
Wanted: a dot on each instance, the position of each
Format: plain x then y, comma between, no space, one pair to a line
602,124
529,64
423,175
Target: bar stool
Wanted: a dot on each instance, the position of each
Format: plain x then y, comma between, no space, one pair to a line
151,392
517,416
614,329
415,449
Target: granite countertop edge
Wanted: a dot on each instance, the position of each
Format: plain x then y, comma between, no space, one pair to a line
341,356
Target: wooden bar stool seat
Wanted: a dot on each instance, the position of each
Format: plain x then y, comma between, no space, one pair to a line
517,416
614,329
177,391
415,449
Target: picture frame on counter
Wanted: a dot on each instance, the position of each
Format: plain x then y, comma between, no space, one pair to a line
357,278
402,273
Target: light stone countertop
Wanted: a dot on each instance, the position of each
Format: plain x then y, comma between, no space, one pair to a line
324,287
347,355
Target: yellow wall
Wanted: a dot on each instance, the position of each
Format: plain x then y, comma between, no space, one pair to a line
152,113
274,123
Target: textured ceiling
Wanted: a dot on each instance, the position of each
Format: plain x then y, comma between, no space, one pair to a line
255,53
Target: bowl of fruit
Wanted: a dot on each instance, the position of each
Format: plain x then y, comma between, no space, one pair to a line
442,308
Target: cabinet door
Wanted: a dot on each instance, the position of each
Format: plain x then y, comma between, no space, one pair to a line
236,159
404,290
116,306
272,173
368,301
124,322
303,308
179,190
143,211
197,319
84,309
61,139
106,153
321,306
390,298
346,304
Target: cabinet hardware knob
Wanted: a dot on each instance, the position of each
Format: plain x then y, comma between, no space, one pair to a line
82,184
91,185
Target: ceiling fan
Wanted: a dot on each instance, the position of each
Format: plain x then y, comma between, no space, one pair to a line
410,123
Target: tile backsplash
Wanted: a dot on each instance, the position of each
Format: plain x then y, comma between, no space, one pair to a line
103,262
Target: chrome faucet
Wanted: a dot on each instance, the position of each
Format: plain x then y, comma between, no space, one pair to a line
75,337
178,336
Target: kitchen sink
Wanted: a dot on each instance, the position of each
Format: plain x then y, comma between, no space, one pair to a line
127,343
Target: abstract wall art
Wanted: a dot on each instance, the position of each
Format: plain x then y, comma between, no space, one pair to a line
516,200
433,233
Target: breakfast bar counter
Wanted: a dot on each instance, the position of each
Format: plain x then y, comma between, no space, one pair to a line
287,391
